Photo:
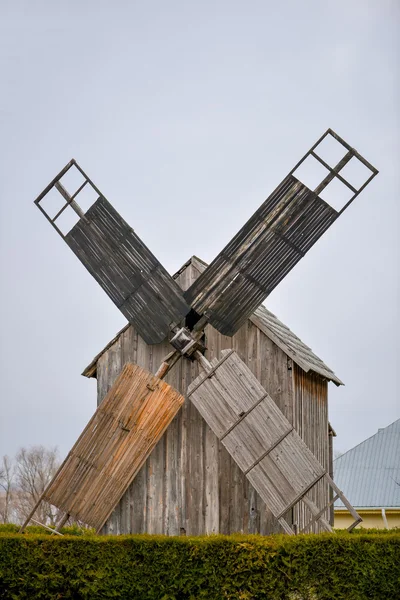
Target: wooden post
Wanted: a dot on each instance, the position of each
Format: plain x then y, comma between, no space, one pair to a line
173,357
167,364
286,526
350,508
62,522
69,199
321,512
34,509
316,513
46,527
202,360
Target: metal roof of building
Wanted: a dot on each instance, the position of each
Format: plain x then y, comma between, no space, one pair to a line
369,474
269,324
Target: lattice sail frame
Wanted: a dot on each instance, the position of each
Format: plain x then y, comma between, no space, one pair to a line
119,261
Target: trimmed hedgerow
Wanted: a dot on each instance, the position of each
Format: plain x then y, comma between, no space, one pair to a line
145,567
66,530
372,530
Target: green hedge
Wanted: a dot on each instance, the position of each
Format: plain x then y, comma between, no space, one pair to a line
309,567
68,530
76,530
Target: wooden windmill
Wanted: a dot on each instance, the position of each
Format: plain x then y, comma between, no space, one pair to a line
140,405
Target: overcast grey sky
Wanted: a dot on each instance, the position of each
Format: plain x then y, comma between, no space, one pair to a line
187,115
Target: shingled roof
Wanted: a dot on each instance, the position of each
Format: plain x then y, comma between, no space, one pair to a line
287,341
269,324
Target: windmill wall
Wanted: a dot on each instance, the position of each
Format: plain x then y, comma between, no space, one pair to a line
189,484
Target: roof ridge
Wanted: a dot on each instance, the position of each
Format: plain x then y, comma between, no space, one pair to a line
191,260
366,440
291,344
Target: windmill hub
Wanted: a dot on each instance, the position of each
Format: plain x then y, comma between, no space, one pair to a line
184,342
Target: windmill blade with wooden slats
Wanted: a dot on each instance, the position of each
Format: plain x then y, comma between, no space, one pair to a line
227,395
120,262
270,244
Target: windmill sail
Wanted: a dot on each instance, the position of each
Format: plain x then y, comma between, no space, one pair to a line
269,245
259,438
114,445
127,271
120,262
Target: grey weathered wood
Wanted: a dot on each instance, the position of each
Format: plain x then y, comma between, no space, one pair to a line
320,514
254,435
261,440
317,514
127,271
310,419
227,502
350,508
69,200
269,245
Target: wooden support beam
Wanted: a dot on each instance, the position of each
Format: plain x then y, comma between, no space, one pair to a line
350,508
62,522
46,527
34,509
285,526
167,364
316,513
201,359
172,358
333,173
69,199
317,516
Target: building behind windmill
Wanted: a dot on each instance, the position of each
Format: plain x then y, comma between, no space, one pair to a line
370,474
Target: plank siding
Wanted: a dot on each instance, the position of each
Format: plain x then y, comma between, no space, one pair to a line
190,485
311,422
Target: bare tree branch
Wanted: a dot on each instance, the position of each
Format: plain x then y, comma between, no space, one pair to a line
6,483
35,468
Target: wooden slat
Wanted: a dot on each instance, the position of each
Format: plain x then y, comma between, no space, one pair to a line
114,445
226,394
127,271
255,432
269,245
286,474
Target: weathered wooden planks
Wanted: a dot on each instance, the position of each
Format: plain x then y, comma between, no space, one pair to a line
310,392
114,445
269,245
213,494
257,435
127,271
